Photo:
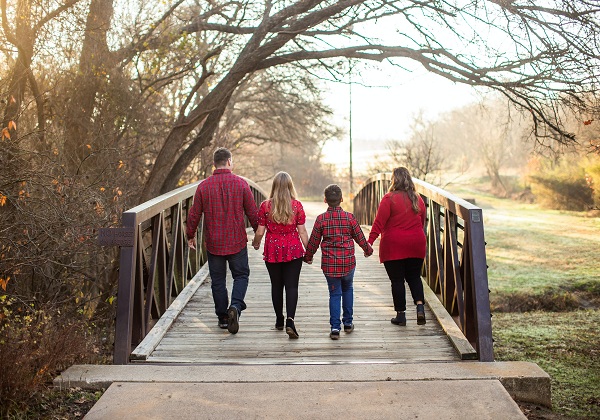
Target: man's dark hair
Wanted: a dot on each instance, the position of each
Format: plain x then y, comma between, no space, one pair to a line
333,195
220,156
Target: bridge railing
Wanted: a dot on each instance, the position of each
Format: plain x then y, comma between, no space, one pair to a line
155,262
455,266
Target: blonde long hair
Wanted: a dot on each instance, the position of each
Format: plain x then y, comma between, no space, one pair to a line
402,182
282,194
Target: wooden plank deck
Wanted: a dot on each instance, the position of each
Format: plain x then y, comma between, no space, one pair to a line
195,337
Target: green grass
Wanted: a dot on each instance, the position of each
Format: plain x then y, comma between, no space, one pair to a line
566,345
530,249
545,258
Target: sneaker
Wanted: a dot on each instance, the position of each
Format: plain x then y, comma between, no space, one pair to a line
223,323
233,325
421,314
290,328
400,319
279,323
348,328
334,334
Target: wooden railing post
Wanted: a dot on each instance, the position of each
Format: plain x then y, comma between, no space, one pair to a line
483,320
125,293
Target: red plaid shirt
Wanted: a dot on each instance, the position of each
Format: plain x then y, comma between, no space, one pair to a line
224,198
336,230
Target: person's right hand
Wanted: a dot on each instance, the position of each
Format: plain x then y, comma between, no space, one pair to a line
192,243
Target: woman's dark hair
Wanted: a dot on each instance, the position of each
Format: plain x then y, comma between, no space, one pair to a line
402,182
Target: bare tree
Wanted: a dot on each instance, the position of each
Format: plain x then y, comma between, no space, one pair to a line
424,153
491,135
546,67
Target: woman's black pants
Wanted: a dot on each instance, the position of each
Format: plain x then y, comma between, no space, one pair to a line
409,270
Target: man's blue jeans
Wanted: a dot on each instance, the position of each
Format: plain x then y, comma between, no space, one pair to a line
240,271
341,294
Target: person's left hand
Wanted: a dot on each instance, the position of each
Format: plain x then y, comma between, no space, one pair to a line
192,243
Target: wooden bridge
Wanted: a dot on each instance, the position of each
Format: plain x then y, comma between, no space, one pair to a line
172,360
194,337
155,322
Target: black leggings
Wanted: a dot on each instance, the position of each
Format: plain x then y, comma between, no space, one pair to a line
285,275
398,271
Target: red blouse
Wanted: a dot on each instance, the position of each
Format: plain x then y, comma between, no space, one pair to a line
282,241
402,234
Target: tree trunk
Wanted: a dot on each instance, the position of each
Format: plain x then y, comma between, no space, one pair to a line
168,167
202,140
94,63
214,103
23,39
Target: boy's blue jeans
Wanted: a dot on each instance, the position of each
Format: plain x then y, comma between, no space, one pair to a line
341,294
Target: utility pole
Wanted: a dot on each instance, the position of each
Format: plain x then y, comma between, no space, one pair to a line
351,192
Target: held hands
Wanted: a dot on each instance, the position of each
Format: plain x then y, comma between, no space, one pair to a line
308,260
255,245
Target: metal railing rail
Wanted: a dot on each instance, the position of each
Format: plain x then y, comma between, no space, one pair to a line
155,262
455,266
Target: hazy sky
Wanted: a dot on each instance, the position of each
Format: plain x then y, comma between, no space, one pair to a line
384,110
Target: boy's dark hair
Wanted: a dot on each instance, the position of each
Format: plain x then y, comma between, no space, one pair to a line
333,195
220,156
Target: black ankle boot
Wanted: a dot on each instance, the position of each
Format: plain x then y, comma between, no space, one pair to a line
400,319
290,328
421,314
279,323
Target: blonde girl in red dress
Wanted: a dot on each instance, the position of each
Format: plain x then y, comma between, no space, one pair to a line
282,218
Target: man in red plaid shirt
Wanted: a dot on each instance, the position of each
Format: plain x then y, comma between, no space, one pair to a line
225,198
335,231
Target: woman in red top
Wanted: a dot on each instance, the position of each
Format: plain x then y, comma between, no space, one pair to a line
400,220
282,218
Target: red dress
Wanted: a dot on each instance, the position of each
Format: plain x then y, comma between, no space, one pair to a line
402,234
282,241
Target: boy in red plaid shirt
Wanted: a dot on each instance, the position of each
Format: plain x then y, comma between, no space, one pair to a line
335,231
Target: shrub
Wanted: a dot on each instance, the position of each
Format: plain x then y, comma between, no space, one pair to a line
562,185
35,345
592,177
